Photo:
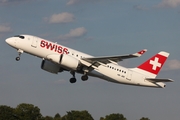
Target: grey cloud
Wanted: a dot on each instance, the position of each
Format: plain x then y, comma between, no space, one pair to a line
74,33
172,65
140,7
162,4
72,2
64,17
8,1
168,4
5,29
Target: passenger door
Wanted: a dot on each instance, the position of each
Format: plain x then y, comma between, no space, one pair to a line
34,42
129,75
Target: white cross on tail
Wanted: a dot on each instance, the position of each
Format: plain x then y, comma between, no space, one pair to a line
155,63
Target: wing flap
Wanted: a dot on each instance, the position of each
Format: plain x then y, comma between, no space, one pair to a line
154,80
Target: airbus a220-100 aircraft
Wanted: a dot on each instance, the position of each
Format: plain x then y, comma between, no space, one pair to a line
57,58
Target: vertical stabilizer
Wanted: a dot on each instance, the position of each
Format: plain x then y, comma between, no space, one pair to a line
152,66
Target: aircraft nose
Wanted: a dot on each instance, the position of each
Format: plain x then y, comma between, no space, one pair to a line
9,41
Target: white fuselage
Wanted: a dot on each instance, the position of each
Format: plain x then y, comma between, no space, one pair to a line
111,72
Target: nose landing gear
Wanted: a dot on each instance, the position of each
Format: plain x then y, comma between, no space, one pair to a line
19,54
17,58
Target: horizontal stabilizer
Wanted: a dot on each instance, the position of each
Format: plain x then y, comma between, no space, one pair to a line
158,80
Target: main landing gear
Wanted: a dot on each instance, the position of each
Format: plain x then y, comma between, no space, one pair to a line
19,54
84,77
73,79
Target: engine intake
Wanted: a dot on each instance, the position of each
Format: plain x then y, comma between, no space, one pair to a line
51,67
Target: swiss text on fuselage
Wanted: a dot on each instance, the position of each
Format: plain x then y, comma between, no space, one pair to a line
54,47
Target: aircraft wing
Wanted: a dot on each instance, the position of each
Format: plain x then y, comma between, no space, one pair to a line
112,59
158,80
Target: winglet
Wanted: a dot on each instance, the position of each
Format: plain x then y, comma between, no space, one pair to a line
138,54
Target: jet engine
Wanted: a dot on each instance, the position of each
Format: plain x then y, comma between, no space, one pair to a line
65,61
51,67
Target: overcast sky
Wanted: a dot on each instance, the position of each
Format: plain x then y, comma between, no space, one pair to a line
99,28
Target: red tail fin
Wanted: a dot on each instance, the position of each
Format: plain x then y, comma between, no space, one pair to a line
155,63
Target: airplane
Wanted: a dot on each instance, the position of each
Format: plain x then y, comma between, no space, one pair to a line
57,58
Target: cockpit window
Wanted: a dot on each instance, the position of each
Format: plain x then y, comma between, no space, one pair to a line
20,36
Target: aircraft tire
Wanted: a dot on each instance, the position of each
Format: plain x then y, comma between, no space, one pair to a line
84,78
72,80
17,58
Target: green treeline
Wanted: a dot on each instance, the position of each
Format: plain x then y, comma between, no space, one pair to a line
30,112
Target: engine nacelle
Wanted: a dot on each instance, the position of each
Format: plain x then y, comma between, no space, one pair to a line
51,67
64,60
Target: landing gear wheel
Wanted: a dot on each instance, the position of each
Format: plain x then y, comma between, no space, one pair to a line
72,80
19,53
17,58
84,78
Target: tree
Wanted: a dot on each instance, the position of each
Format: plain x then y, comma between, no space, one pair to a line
28,112
57,117
143,118
114,116
7,113
48,118
101,118
77,115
